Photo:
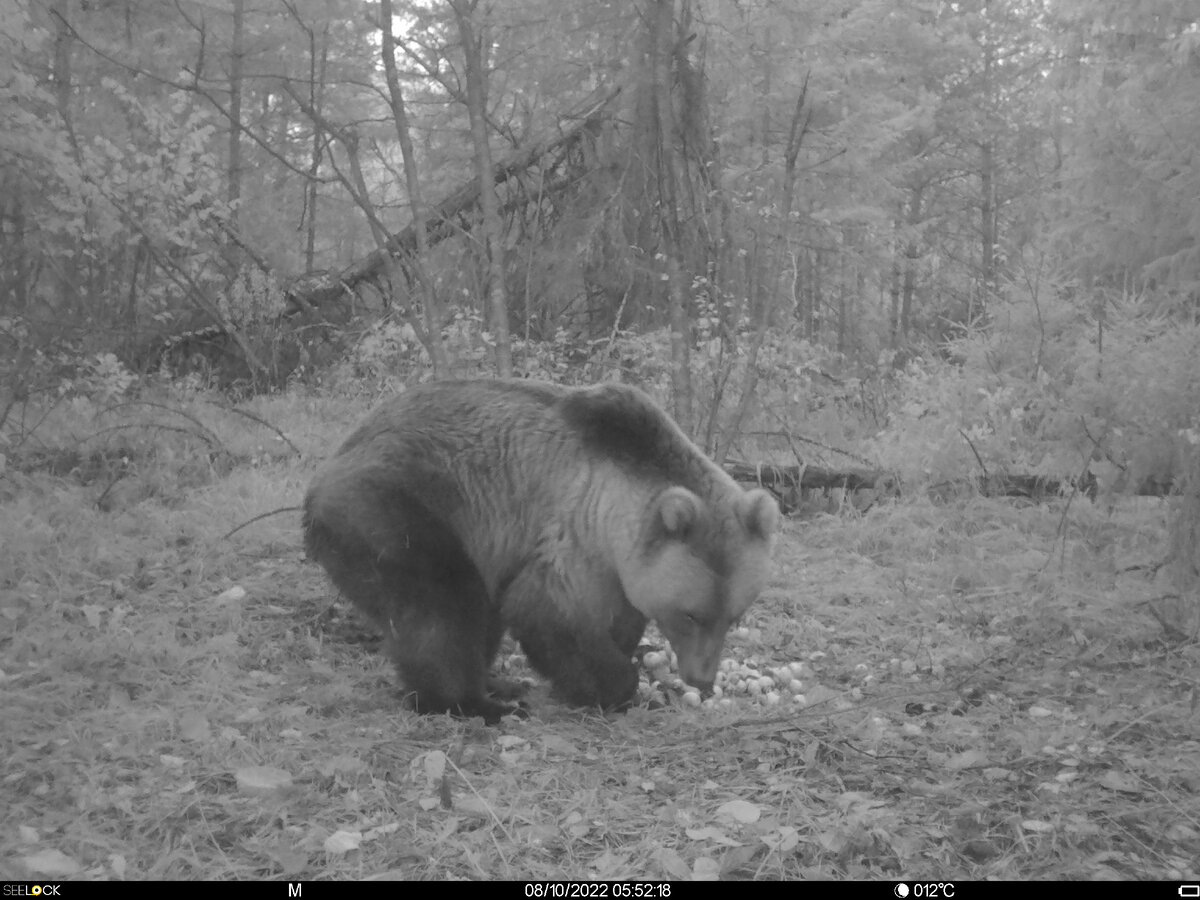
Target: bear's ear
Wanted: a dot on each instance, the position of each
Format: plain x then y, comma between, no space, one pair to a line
759,513
677,510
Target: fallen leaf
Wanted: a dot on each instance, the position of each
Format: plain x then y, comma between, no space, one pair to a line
342,842
706,869
1119,781
966,760
1037,826
742,811
261,781
784,840
673,864
434,763
51,863
609,865
194,727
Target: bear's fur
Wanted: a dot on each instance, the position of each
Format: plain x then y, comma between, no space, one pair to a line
460,509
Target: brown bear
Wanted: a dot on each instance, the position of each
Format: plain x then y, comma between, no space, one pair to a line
567,516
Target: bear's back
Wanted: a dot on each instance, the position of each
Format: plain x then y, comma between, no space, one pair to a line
457,411
539,433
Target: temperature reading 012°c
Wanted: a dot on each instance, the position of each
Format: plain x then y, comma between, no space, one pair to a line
925,890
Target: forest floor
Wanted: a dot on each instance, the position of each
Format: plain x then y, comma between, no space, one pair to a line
989,690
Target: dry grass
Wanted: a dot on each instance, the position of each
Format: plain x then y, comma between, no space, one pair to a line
989,697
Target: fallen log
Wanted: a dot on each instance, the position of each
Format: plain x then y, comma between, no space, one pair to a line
810,477
450,215
785,479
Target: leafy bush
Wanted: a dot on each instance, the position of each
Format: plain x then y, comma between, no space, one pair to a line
1048,390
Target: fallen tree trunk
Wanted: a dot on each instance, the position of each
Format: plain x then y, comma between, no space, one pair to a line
451,215
810,477
785,479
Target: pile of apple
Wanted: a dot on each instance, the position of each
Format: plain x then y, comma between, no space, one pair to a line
770,685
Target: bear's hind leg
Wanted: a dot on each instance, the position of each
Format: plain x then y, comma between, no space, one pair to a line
440,672
410,574
443,640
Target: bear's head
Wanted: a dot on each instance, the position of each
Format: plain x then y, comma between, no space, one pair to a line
697,567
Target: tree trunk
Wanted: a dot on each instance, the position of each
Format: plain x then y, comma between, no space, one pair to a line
236,55
68,279
846,240
63,35
357,182
316,91
987,228
912,252
660,21
131,305
987,178
816,296
464,11
894,286
430,307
